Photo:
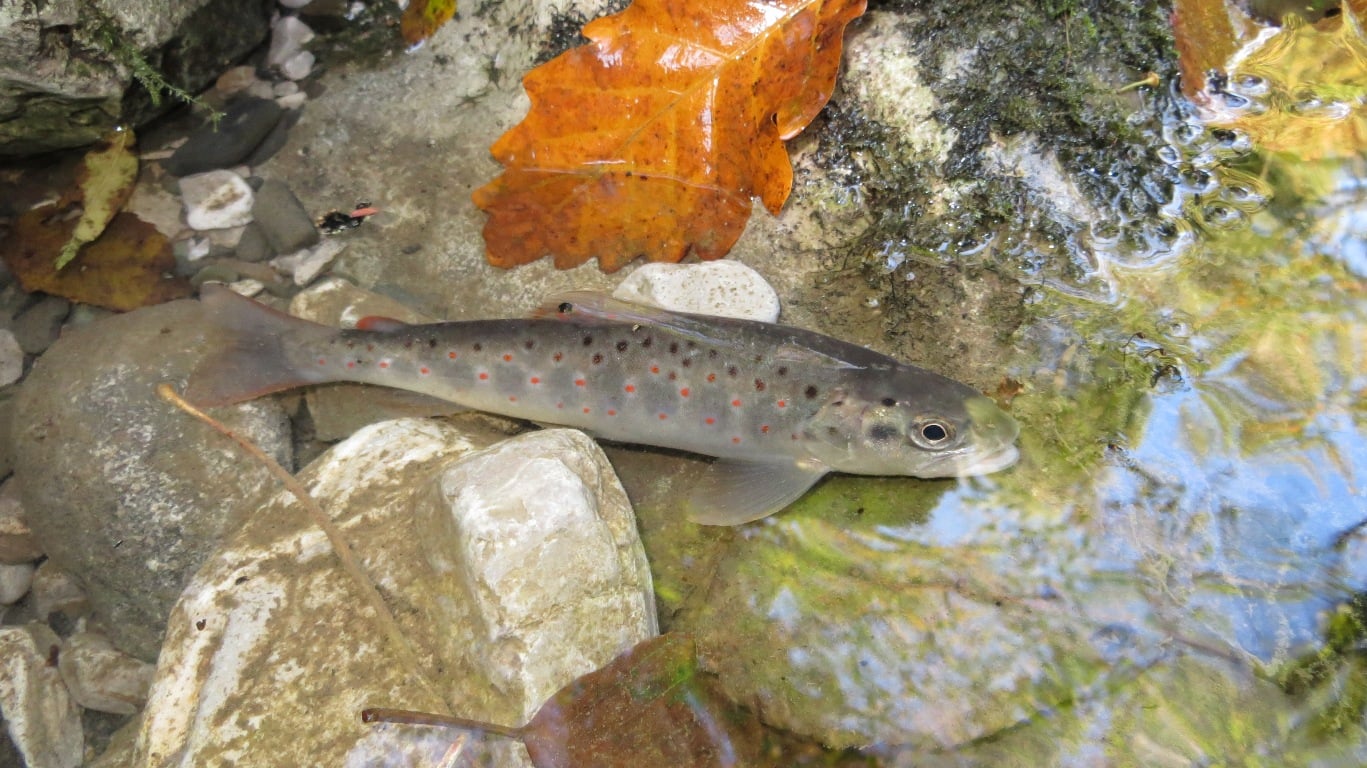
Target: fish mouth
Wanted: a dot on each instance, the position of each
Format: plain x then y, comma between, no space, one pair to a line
991,462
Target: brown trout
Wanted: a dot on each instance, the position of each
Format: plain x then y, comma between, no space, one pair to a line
778,407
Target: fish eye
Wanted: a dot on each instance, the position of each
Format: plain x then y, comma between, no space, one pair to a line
932,433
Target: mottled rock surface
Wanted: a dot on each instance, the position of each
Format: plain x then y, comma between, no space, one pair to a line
505,593
42,719
122,490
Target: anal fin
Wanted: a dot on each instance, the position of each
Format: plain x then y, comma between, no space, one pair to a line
734,491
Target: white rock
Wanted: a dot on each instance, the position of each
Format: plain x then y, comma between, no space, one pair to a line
17,544
247,287
15,581
271,631
724,288
298,66
216,200
285,88
293,100
11,358
261,89
43,721
287,38
197,248
101,677
306,264
293,4
54,591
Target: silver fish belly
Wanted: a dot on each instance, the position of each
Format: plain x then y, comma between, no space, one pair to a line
778,406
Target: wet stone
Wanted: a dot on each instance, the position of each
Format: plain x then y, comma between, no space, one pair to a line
42,718
17,545
214,273
253,245
288,37
246,123
55,593
274,140
283,220
11,358
102,678
15,581
216,200
38,326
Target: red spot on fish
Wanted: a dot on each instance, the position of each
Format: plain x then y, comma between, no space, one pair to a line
579,382
764,428
483,377
384,363
683,392
664,416
586,410
507,358
322,361
794,435
351,363
535,380
558,356
783,403
512,398
452,355
710,420
735,403
654,369
559,405
630,387
424,370
735,440
612,412
711,377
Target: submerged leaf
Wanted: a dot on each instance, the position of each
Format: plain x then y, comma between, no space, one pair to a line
130,265
422,18
104,183
652,139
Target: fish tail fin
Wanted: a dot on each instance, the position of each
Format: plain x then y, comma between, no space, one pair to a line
255,358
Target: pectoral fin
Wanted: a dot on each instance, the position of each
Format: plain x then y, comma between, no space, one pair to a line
732,492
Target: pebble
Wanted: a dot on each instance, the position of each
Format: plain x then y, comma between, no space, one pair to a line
38,326
17,544
721,288
245,124
285,223
287,39
285,88
298,66
293,100
6,419
247,287
101,677
11,358
43,720
216,200
214,273
225,239
274,140
236,80
15,581
307,264
55,591
253,245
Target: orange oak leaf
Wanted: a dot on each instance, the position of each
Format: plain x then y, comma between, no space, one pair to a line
652,139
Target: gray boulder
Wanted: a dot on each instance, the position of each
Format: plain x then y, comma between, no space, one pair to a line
65,78
122,490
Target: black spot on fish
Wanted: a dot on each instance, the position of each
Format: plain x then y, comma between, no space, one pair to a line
838,403
732,371
673,347
687,361
622,346
597,358
810,392
673,375
783,370
370,347
759,358
647,341
889,401
691,344
712,353
432,342
588,341
478,347
529,343
408,344
882,432
759,385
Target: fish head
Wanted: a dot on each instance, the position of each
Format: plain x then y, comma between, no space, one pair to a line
919,424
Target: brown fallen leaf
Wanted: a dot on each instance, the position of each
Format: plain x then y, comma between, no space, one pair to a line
652,139
129,265
649,706
422,18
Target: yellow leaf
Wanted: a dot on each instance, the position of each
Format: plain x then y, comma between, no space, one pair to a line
103,184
